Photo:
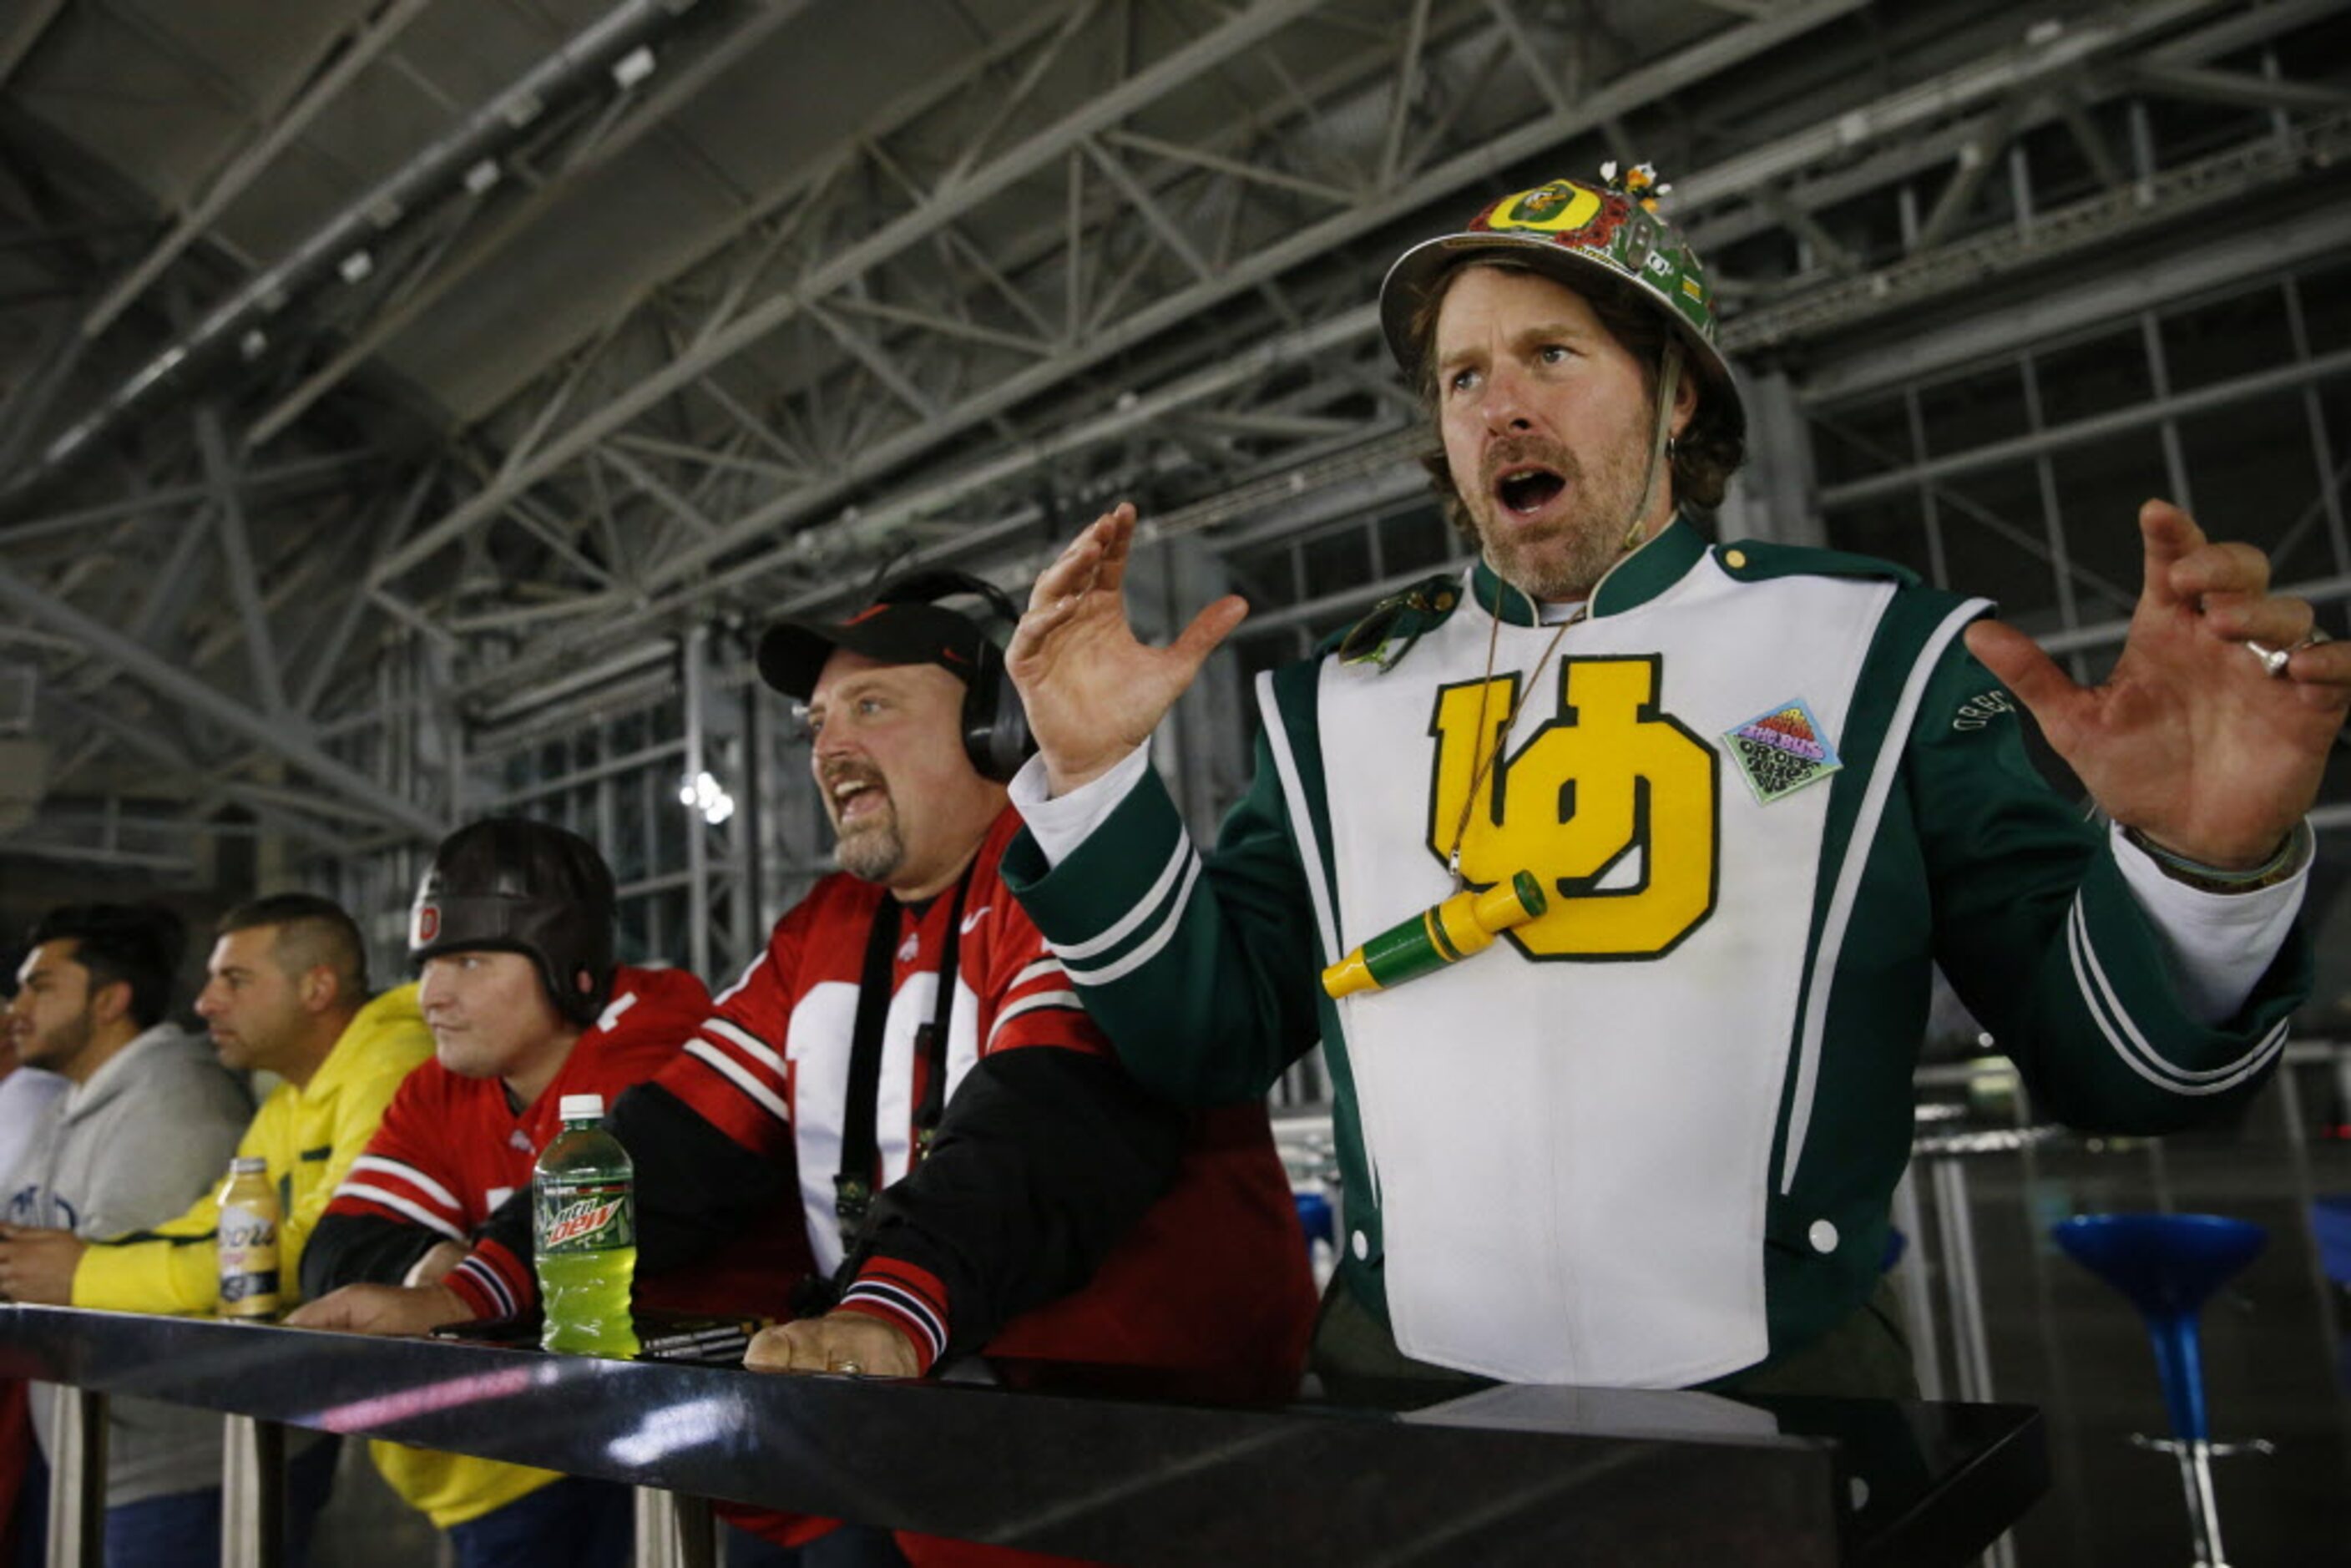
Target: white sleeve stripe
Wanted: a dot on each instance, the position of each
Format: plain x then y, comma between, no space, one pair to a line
409,1173
1148,949
409,1207
2106,1009
906,1301
487,1278
750,1045
740,1076
1319,881
1127,923
1064,1000
1036,971
1820,984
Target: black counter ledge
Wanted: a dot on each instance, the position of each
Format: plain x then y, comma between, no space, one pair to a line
1513,1475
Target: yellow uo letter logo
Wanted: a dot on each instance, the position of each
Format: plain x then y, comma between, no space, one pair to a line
1608,778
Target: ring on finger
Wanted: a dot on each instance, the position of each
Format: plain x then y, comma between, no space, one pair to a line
854,1369
2273,660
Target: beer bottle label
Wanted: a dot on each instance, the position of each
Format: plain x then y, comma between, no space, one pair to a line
248,1261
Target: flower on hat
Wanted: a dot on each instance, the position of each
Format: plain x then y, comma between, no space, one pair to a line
1640,183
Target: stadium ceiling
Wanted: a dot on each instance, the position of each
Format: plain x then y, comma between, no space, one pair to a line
529,332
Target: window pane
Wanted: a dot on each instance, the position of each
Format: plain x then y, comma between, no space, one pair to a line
2096,375
1895,531
2099,488
1993,529
1973,411
2228,338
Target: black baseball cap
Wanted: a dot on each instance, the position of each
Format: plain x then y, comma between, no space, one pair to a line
792,652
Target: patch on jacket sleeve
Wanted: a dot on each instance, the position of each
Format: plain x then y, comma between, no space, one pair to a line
1782,749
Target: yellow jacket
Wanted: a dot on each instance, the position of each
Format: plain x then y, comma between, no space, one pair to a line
452,1488
310,1135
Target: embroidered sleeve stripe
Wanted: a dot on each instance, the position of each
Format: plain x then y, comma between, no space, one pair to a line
367,1192
760,1050
1126,924
1042,968
903,1294
2114,1022
742,1077
1059,1000
1817,985
481,1288
1142,951
721,1101
913,1275
407,1175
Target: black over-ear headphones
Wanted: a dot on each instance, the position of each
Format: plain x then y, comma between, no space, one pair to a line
995,727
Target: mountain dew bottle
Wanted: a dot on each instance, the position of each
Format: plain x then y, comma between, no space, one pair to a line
584,1230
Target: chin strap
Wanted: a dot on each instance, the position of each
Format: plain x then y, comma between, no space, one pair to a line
1661,439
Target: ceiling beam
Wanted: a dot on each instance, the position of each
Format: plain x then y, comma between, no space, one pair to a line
1246,31
168,679
19,36
349,53
434,175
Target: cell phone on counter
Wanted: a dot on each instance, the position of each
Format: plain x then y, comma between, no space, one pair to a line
709,1338
520,1330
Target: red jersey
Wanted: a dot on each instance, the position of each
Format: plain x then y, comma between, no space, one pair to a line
1214,1279
451,1149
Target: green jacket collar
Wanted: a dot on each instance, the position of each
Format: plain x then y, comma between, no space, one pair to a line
1633,581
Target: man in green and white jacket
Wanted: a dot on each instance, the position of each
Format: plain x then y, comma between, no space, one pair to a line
1648,1137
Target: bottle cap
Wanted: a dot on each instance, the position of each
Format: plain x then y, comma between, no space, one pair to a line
248,1164
580,1108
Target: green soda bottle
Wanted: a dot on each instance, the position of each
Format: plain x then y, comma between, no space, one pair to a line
584,1230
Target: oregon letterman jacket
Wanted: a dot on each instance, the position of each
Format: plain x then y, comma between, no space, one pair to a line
1647,1139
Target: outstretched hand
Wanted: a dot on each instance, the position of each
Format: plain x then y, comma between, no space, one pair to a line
1093,691
2190,740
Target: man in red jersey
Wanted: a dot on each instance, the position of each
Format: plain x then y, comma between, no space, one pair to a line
512,928
976,1173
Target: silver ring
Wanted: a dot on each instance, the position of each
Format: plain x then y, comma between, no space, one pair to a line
854,1369
2273,660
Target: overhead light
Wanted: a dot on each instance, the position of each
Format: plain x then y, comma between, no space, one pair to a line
632,68
705,795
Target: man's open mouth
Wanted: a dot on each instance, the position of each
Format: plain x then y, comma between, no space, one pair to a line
1526,491
855,796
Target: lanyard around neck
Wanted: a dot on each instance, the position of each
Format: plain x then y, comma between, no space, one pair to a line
853,1183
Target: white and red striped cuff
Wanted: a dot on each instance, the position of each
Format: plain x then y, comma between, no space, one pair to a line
909,1299
492,1282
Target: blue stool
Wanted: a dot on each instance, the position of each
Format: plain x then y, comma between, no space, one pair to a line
1316,1217
2168,1265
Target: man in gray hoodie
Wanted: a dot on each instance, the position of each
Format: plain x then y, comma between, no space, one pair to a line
150,1121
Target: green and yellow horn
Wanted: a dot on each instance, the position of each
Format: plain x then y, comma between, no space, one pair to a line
1446,933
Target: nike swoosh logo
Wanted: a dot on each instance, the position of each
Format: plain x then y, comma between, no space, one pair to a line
975,917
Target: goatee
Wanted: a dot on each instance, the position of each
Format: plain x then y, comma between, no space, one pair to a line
871,853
